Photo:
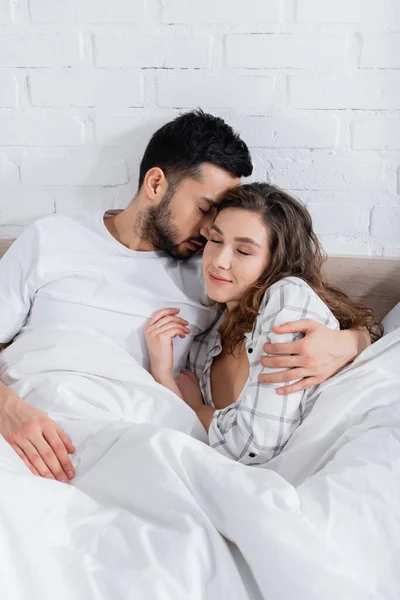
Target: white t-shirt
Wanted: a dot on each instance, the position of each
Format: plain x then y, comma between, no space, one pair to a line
64,270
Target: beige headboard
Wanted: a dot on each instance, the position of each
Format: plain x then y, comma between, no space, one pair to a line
374,281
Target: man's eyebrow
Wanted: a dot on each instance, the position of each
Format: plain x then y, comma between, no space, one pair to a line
243,240
209,201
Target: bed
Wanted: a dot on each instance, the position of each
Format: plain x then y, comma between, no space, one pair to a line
155,513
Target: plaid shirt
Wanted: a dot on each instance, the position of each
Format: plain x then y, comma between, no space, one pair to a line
257,426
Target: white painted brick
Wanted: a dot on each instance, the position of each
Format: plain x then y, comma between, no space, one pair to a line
88,11
377,133
8,171
5,11
134,127
84,167
167,51
80,200
41,50
348,11
316,131
385,223
380,51
27,205
364,198
392,251
90,88
188,90
340,219
366,90
335,245
39,128
275,51
328,174
8,89
222,11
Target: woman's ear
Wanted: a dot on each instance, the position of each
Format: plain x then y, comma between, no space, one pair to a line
155,185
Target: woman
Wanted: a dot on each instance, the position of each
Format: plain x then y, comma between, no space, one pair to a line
263,265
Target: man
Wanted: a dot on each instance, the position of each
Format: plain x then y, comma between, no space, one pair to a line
110,272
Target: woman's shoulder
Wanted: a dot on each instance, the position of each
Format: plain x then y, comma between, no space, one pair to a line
294,295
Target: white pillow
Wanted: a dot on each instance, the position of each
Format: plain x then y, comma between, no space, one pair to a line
392,320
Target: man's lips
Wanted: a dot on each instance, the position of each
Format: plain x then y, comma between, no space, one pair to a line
218,279
195,244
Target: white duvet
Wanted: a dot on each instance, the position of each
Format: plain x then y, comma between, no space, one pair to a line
154,513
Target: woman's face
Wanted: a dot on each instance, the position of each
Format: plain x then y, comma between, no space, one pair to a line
235,255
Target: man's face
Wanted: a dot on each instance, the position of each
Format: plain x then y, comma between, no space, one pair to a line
179,222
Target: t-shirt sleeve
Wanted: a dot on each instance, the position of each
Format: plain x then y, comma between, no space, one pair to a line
18,282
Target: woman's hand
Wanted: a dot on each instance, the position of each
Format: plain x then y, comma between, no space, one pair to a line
159,333
189,387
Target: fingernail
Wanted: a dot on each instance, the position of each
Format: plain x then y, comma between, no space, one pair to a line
280,391
70,474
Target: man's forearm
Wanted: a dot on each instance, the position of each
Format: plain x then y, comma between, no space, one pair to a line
358,341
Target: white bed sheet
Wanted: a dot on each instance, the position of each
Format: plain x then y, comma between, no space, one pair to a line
152,506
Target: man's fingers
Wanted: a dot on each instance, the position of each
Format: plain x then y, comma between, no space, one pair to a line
285,348
60,451
49,457
22,456
35,459
66,441
304,384
295,326
282,376
281,362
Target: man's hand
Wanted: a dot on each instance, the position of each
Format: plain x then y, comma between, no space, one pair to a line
37,440
321,353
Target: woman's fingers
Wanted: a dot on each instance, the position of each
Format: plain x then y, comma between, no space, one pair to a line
163,312
171,332
165,321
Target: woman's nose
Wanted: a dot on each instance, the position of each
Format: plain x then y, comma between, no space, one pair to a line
223,258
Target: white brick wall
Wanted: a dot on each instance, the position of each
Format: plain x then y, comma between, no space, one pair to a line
312,85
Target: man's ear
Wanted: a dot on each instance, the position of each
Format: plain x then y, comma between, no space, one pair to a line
155,185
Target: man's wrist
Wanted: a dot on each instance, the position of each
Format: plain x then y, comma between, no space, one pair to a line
356,343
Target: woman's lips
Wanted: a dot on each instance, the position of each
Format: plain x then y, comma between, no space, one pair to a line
218,280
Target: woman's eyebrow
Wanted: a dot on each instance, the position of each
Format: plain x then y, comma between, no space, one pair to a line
246,240
243,240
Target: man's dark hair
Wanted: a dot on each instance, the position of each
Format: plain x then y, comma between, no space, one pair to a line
182,145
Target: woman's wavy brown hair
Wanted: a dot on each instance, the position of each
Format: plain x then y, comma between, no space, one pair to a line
294,251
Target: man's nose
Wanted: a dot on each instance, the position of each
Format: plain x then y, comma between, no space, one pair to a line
205,231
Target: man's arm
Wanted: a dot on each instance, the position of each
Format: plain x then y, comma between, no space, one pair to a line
37,440
320,354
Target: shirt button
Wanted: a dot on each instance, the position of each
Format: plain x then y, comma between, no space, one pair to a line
252,455
250,350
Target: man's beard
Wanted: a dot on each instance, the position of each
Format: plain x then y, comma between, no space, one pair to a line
158,229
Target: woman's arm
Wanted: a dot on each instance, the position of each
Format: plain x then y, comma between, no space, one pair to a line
256,427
